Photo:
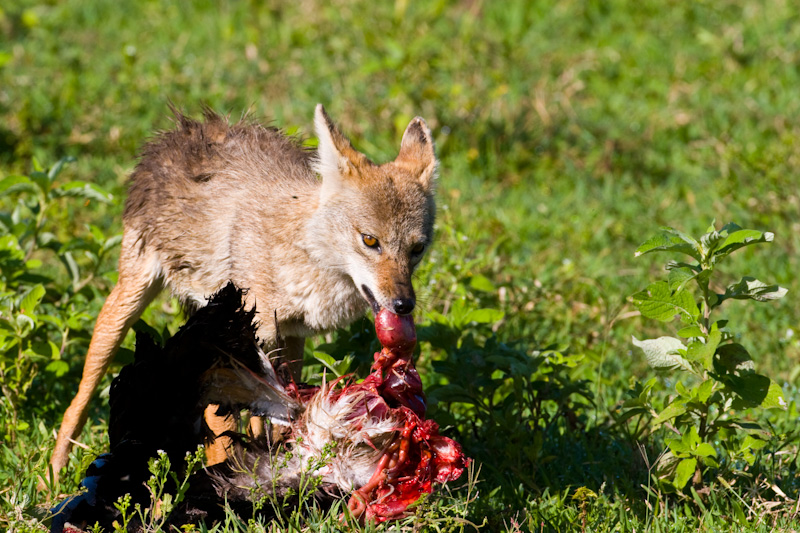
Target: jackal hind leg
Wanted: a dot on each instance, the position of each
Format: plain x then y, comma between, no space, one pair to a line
139,283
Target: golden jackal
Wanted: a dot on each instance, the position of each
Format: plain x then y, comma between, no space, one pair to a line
313,237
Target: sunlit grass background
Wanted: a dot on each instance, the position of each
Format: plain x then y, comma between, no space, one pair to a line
568,132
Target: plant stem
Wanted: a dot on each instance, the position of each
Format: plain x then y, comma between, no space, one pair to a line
706,310
703,422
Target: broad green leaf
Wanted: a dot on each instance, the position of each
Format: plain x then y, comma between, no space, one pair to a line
691,438
14,184
721,325
140,326
48,350
751,428
76,320
739,238
704,390
703,353
436,317
734,357
53,319
481,283
673,410
343,365
72,266
338,367
678,446
483,316
749,288
709,242
41,180
82,189
458,309
630,412
325,359
55,170
679,277
24,324
704,449
703,277
644,390
728,228
659,302
661,353
97,233
640,393
690,331
774,398
31,300
124,356
36,356
684,472
753,391
57,367
670,240
753,443
111,242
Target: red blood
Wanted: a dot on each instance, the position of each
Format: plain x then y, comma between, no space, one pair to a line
402,386
429,457
419,455
396,332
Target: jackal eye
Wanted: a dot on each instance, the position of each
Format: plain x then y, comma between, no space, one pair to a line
418,248
369,240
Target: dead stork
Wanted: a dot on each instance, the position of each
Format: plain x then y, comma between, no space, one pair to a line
366,440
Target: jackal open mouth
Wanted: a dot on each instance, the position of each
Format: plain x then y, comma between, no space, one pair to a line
376,307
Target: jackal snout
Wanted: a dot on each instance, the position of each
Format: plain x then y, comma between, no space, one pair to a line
404,306
400,298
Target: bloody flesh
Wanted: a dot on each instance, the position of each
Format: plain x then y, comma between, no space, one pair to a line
370,435
418,455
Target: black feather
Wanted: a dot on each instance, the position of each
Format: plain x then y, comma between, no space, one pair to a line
157,404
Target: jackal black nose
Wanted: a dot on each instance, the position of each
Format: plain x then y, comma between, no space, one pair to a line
403,306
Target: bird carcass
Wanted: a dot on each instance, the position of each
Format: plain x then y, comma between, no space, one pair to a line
364,440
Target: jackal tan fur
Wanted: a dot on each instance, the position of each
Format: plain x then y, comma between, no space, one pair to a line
315,237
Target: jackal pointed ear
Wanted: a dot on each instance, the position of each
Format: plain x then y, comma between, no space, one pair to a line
336,158
417,153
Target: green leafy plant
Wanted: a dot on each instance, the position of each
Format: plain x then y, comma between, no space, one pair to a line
716,381
162,502
503,399
42,308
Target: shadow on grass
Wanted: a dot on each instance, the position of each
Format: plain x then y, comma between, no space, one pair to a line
534,429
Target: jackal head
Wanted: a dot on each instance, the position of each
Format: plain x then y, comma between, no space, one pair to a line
374,222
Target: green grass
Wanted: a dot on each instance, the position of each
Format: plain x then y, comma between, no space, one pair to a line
568,133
